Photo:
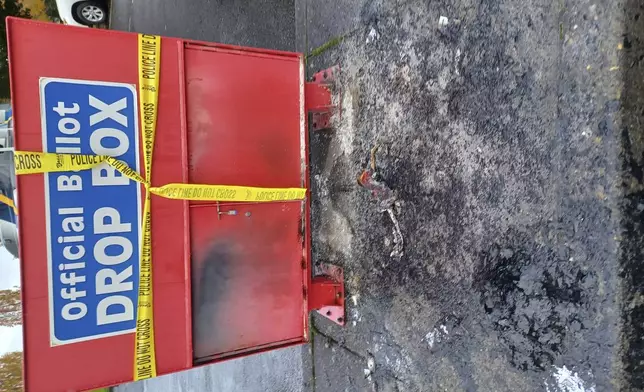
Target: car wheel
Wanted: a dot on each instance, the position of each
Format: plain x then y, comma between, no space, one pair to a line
91,13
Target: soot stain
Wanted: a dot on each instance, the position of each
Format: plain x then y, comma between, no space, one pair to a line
532,301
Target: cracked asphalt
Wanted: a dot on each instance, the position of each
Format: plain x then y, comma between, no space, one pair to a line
511,132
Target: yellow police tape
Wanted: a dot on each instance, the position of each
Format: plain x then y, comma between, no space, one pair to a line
149,49
4,199
43,162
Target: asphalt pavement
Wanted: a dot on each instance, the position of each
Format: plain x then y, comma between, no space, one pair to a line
279,370
258,23
511,132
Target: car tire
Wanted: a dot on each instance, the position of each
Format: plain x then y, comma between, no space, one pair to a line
91,13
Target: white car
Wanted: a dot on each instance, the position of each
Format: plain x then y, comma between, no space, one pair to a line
82,12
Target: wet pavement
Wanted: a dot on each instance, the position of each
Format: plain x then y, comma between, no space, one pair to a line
511,133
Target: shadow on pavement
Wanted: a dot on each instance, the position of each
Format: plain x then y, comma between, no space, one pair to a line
632,206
